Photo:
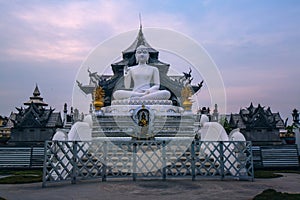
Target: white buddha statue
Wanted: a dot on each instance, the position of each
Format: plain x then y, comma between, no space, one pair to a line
143,76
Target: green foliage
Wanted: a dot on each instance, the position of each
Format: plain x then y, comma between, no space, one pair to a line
20,179
226,126
291,128
266,174
224,122
29,172
21,172
273,194
21,176
272,173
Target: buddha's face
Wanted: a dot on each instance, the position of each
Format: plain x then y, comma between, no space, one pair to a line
142,55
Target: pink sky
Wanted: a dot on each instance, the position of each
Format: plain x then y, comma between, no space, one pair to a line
254,44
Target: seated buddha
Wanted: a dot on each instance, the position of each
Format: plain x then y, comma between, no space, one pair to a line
145,80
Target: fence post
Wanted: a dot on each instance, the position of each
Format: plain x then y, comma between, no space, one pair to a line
221,159
45,164
134,164
164,170
74,162
104,168
193,156
251,160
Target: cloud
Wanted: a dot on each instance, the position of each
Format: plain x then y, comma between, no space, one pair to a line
51,32
45,42
74,15
254,44
63,50
57,31
67,31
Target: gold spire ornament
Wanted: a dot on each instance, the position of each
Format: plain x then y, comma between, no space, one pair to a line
186,94
98,95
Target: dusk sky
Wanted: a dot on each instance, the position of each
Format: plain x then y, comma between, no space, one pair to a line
255,44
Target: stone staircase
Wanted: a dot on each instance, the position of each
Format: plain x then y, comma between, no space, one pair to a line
163,126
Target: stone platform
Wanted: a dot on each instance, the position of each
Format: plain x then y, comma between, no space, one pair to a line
121,119
175,124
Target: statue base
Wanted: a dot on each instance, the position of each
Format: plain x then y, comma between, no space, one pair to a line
143,119
128,106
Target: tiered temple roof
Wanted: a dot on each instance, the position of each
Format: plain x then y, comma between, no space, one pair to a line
35,115
128,55
259,125
256,118
34,122
36,98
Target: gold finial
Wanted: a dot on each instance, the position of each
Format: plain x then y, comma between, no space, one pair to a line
99,94
186,94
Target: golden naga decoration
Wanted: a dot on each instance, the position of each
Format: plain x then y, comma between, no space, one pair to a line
98,97
186,94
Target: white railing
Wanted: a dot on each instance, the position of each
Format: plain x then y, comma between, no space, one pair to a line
104,159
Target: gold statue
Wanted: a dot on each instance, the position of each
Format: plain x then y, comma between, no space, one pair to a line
186,94
98,98
143,122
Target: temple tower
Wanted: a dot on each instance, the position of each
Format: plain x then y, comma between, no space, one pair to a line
35,123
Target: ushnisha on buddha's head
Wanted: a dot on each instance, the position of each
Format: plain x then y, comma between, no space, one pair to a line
142,54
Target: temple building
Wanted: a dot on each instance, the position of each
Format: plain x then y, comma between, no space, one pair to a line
35,122
259,125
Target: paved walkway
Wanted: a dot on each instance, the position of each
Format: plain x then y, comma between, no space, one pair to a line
151,189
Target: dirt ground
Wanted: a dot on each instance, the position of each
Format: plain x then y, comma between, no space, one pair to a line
151,189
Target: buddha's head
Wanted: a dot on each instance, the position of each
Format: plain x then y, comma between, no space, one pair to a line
142,54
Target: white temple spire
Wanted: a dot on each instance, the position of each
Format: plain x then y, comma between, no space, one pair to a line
140,17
